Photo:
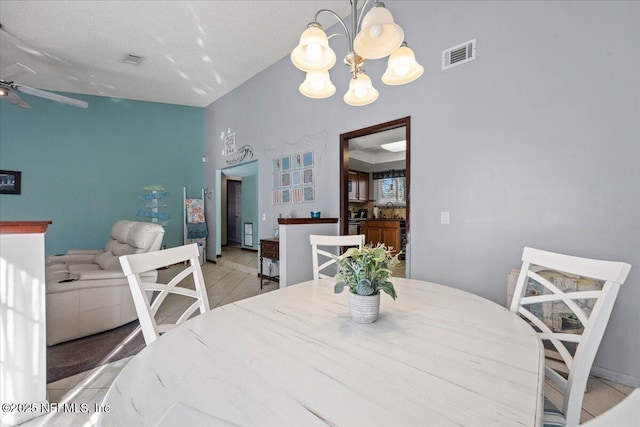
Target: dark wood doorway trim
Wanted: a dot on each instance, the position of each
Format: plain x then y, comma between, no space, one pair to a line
344,162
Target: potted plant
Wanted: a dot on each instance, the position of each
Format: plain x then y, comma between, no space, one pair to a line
366,272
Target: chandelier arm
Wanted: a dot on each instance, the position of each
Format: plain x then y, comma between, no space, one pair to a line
335,15
364,7
330,36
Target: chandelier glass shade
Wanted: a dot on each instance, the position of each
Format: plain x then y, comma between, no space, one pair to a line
402,67
379,35
361,91
317,85
373,35
313,52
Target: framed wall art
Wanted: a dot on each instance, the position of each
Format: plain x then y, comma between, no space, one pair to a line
293,178
10,182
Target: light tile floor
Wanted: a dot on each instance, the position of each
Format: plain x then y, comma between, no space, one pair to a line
226,285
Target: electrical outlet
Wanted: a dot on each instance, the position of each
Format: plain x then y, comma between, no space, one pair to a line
264,216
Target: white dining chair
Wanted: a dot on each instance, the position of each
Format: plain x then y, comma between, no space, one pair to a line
133,265
594,323
330,241
624,414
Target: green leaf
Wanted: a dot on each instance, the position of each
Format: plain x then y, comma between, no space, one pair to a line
351,252
339,287
388,288
364,287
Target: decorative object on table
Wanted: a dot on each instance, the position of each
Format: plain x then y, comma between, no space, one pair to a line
153,195
373,35
315,214
366,272
10,182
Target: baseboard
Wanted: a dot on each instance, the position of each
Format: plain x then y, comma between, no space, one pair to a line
616,377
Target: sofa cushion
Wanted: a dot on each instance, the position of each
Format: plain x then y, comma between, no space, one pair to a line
106,259
142,236
82,267
120,230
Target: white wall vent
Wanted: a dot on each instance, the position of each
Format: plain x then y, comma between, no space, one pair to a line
459,54
132,59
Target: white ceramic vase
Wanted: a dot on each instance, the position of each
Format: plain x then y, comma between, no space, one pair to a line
364,308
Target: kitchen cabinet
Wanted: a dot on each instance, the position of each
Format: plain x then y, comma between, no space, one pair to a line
382,231
358,186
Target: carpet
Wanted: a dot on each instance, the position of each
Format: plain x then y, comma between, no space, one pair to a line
72,357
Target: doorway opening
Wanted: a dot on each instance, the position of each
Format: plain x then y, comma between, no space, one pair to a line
237,207
375,185
234,212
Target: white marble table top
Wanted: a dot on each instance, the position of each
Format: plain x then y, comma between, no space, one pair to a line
292,357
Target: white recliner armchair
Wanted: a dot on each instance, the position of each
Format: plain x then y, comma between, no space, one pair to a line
86,290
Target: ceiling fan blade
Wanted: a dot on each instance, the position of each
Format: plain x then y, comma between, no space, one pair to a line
17,101
51,96
13,70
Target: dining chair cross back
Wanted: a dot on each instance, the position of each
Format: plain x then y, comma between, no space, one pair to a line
133,265
330,241
591,308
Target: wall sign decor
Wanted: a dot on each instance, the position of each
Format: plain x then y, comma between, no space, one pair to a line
290,173
10,182
153,196
229,148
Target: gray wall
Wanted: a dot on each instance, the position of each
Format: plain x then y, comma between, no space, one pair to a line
535,143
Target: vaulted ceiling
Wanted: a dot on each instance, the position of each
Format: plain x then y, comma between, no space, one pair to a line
193,52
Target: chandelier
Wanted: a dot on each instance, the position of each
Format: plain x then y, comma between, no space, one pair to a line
374,35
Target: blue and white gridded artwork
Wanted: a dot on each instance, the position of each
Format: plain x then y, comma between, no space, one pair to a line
309,195
286,163
307,159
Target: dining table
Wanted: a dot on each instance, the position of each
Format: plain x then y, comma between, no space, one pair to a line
436,356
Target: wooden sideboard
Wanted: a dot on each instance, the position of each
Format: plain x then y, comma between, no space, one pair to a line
270,249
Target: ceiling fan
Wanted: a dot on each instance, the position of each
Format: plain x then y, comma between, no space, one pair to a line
10,89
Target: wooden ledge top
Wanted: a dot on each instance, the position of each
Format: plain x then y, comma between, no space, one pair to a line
23,227
296,221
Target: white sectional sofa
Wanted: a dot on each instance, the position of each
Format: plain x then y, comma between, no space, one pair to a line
86,290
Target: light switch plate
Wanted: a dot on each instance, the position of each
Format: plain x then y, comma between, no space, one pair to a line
444,218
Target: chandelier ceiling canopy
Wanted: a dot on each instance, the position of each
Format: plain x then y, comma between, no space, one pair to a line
373,35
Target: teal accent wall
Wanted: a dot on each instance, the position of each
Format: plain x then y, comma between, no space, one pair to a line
250,207
83,169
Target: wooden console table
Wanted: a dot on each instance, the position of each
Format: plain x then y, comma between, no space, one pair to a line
270,249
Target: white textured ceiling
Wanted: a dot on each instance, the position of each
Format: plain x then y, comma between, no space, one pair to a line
194,51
